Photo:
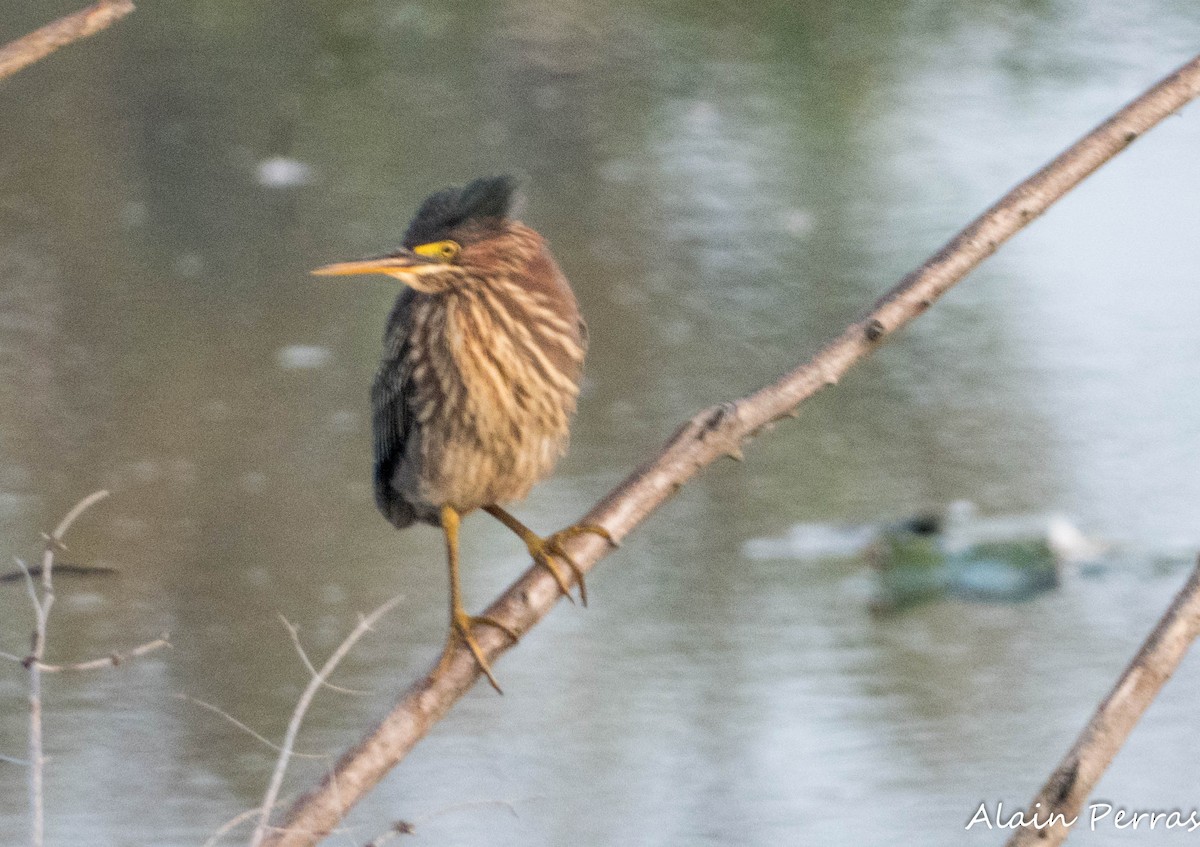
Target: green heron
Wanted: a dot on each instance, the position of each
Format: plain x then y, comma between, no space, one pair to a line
482,356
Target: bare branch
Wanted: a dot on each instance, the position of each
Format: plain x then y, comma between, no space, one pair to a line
73,515
257,736
511,805
41,609
294,633
721,431
230,825
241,818
111,660
310,691
37,763
1072,782
42,42
30,585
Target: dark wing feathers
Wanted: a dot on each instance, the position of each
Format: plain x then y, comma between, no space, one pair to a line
391,420
480,200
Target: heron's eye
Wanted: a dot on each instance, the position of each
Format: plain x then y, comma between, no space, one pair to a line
443,251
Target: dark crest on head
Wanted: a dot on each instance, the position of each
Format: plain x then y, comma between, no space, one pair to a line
480,201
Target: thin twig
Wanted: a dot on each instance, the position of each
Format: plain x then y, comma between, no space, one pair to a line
41,42
310,691
294,633
721,431
236,821
30,585
112,660
511,805
232,824
257,736
41,608
1063,795
78,509
13,760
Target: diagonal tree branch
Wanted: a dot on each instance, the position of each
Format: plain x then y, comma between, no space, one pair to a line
1058,803
42,42
721,431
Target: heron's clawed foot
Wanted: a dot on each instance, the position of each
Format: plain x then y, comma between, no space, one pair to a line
460,630
543,551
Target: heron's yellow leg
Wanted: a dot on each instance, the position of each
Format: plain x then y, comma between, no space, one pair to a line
543,550
460,621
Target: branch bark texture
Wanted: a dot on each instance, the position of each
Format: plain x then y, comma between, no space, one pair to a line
1072,782
42,42
720,431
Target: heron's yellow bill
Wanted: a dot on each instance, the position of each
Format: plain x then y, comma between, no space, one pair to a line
378,265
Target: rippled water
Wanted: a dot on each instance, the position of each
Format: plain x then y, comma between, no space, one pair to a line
726,185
